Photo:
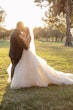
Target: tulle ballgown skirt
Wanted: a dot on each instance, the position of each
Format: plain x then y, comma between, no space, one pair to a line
34,71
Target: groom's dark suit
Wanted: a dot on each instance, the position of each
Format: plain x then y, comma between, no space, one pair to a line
16,48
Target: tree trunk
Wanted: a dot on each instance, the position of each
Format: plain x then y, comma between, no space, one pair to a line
68,33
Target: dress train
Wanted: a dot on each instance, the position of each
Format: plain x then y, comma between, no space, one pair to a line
32,70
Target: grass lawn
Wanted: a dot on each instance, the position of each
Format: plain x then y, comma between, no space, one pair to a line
53,97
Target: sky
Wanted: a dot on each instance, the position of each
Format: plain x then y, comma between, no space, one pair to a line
22,10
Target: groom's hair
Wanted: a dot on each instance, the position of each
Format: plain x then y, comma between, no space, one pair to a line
19,24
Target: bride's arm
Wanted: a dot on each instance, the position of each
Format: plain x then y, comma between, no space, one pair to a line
26,41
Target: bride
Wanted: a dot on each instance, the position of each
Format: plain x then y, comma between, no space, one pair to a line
34,71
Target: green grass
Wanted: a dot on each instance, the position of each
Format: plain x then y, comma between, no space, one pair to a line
53,97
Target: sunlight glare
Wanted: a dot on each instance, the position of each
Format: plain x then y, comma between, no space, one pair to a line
22,10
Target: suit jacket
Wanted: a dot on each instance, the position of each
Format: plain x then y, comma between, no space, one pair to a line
16,45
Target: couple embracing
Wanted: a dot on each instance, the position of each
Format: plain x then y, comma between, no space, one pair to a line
28,69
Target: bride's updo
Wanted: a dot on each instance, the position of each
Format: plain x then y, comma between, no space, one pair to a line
26,31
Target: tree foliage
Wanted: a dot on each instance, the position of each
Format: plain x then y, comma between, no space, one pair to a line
56,7
48,34
2,14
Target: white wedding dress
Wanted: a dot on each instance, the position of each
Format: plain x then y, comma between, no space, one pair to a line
34,71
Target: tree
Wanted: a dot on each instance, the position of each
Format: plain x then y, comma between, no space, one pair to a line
2,15
58,7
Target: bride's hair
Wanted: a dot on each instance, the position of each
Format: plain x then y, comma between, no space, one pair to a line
26,30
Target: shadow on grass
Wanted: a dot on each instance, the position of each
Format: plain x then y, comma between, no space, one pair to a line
37,98
24,99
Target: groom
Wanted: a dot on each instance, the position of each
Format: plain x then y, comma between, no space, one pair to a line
17,44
